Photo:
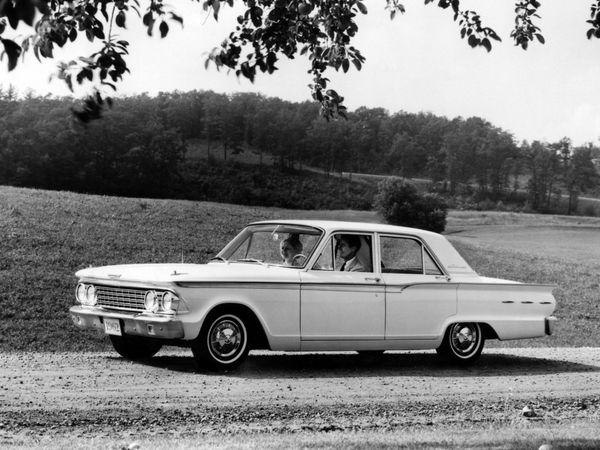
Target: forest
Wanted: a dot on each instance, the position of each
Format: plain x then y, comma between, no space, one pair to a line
141,148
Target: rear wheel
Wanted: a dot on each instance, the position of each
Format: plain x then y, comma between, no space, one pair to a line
463,343
223,342
135,347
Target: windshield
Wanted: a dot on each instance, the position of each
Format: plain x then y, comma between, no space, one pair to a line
286,245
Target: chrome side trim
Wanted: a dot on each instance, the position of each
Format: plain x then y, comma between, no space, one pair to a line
238,284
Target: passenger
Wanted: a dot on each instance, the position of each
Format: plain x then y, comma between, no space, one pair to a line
347,247
291,250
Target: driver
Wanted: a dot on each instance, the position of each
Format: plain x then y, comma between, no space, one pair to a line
290,248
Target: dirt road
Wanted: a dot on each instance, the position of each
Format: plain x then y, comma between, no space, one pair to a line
101,393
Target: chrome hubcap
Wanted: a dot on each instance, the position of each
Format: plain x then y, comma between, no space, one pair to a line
464,338
225,338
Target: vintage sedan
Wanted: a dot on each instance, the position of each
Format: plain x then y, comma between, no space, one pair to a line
312,286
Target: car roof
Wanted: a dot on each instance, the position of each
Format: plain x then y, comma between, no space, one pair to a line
334,225
453,262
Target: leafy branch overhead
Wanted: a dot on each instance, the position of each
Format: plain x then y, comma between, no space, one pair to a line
265,31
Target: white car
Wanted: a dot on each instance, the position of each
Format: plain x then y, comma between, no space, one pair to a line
279,285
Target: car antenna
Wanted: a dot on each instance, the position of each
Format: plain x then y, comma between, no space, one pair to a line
182,256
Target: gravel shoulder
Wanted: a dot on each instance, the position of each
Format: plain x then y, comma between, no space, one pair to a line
101,394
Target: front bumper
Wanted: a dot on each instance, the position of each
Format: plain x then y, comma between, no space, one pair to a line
550,324
131,323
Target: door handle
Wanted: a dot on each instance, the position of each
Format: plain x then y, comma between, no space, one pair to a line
375,279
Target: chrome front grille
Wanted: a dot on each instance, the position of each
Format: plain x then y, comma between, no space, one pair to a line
130,299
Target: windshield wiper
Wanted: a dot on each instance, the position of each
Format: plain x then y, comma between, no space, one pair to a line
252,260
218,258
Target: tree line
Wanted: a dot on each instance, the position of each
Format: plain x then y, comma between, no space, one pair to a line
139,147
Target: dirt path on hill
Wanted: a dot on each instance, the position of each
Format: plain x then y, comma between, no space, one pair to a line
103,394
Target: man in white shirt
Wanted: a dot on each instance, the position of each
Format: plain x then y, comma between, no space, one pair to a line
348,245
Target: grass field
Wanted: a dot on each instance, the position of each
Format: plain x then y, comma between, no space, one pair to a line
47,236
518,436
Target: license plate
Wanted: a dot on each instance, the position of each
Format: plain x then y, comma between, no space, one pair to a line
112,326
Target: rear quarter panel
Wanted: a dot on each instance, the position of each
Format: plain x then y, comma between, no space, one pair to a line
513,310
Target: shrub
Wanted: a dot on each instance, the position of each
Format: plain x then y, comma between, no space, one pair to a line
400,203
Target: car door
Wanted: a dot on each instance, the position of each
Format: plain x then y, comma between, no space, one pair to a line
337,305
419,296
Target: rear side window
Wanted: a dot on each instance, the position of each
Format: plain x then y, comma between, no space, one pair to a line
406,255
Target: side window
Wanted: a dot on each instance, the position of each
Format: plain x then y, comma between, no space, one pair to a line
405,255
401,255
348,252
431,267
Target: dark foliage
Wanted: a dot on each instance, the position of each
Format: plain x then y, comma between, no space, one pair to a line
400,203
246,184
141,149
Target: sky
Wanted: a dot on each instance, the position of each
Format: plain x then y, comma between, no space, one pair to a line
415,63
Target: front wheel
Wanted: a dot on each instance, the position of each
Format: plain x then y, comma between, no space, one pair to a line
135,347
463,343
222,344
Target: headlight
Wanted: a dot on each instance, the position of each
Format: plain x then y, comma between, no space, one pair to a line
151,302
80,293
167,301
90,295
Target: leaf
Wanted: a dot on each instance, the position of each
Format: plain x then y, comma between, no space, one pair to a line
473,41
455,5
256,16
177,18
13,51
11,13
345,65
487,44
590,33
120,19
361,7
493,35
164,29
26,11
148,19
216,7
540,38
357,64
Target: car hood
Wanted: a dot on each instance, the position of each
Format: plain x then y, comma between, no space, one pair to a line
181,273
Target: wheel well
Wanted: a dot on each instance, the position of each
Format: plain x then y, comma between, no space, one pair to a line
487,331
256,333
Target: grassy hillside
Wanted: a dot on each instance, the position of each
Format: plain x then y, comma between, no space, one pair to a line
247,184
47,236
